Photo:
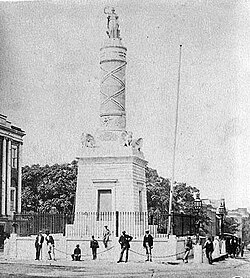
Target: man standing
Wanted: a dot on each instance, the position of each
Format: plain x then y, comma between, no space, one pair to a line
51,246
148,245
209,248
106,235
124,241
94,245
188,247
38,244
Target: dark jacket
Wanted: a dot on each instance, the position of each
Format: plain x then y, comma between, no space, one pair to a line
148,238
41,241
77,251
124,240
50,239
189,244
209,246
94,244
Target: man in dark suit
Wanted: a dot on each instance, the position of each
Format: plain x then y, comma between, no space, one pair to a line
148,245
124,241
38,244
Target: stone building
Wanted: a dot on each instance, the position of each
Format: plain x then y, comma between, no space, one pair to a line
11,141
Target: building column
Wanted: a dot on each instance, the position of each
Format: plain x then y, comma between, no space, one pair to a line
8,176
4,152
19,182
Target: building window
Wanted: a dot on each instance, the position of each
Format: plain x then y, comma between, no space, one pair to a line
14,156
140,201
12,199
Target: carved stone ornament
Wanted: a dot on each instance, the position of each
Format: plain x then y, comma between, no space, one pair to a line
88,140
137,144
126,138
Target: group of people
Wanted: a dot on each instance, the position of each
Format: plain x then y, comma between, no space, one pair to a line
234,248
124,241
50,243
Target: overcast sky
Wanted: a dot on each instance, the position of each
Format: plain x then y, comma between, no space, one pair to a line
49,84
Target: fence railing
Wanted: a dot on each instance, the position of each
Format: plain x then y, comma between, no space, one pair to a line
92,223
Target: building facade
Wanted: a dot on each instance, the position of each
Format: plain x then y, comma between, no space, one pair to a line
11,141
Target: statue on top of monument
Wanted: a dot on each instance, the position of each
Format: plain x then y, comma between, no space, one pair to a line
113,31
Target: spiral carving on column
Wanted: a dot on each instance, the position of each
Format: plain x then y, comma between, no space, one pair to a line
112,98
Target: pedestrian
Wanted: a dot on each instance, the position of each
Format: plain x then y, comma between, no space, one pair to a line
106,235
51,245
76,256
234,247
148,245
209,248
38,244
188,247
124,240
242,246
94,245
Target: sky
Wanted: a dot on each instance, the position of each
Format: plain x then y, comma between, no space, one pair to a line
49,84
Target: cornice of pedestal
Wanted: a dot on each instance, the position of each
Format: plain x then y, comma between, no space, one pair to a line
133,159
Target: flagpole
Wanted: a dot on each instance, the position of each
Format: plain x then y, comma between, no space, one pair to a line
170,229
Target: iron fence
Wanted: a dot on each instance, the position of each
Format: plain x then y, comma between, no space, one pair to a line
92,223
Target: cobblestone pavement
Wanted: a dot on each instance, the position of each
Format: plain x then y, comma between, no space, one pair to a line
101,268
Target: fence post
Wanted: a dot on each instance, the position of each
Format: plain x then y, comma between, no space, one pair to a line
117,223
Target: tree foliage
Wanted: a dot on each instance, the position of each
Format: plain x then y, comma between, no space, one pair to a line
230,225
158,193
246,230
49,187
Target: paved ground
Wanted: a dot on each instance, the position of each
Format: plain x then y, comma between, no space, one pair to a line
101,268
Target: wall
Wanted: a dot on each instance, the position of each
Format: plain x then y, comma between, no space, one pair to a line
23,248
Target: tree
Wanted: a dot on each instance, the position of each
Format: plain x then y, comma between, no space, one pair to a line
246,230
47,187
158,192
230,225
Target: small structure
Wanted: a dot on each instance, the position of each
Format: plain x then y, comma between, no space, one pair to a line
11,140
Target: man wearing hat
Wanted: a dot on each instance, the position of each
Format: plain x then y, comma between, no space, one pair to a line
106,235
124,241
76,256
38,244
148,245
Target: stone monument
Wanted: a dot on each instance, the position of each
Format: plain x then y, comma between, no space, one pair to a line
111,165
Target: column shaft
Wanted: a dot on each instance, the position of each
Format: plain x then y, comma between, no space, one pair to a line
8,176
19,184
3,176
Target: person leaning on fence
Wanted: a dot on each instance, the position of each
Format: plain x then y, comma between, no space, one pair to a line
76,256
188,247
124,241
209,248
94,245
148,245
38,244
106,235
51,245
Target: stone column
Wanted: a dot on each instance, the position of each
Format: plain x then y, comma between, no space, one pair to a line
3,176
112,87
19,183
8,176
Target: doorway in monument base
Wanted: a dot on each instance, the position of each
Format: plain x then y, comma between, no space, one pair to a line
104,205
104,202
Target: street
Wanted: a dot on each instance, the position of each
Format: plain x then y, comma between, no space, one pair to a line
239,267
